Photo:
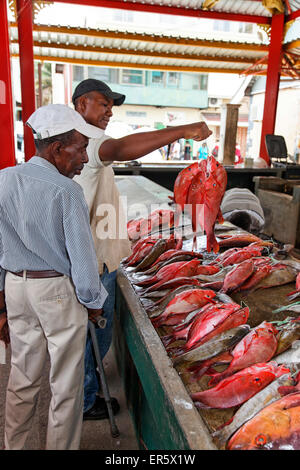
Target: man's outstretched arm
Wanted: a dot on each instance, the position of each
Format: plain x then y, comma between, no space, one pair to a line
137,145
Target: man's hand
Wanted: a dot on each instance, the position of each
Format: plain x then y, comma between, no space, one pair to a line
94,314
197,131
4,332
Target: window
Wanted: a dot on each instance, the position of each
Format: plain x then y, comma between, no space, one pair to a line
245,28
221,25
157,78
132,77
172,79
78,73
100,73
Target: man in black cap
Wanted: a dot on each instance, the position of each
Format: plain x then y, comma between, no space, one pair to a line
94,100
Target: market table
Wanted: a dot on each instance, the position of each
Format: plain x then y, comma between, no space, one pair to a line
163,413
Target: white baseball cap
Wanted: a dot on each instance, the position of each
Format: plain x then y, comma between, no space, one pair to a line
54,119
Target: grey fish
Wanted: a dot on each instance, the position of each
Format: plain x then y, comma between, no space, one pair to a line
277,278
215,346
251,407
157,249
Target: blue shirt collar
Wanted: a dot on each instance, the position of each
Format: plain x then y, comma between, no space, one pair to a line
42,162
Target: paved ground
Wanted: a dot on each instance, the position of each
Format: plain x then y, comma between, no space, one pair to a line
95,434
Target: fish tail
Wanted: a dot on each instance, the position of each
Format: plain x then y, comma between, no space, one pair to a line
166,340
211,243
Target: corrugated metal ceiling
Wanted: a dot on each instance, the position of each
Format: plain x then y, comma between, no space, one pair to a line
181,52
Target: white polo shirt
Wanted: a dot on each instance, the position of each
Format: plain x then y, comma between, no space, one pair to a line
107,217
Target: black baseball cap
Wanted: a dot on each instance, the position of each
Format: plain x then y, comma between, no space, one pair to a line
91,84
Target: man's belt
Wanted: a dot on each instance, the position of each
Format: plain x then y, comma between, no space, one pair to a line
38,274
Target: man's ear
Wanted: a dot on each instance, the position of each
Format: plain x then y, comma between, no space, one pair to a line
56,148
80,104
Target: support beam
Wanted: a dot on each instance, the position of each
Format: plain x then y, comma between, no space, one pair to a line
25,19
6,101
272,83
172,10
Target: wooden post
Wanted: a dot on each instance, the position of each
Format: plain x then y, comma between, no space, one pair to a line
229,121
6,101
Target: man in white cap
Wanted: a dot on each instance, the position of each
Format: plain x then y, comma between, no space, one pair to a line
94,100
49,270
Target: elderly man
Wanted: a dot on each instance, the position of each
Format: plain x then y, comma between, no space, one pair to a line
94,100
49,269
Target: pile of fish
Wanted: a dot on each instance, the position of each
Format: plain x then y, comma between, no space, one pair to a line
186,295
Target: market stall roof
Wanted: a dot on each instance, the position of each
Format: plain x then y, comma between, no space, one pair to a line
192,51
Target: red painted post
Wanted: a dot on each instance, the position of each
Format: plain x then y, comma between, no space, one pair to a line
7,157
25,19
272,84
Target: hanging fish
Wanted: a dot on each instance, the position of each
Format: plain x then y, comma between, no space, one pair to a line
204,198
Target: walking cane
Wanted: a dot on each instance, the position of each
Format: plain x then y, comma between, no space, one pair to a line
113,427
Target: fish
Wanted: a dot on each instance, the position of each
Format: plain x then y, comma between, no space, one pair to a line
259,273
175,270
245,253
161,304
204,197
141,227
288,333
251,407
241,239
170,253
185,302
278,276
294,294
180,257
259,345
215,320
218,344
182,184
156,249
237,275
275,427
239,387
135,249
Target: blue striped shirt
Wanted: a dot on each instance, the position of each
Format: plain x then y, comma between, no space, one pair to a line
44,224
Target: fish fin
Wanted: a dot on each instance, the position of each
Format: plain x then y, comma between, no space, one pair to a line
287,389
211,243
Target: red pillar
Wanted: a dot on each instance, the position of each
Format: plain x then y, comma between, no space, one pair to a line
7,157
272,84
25,19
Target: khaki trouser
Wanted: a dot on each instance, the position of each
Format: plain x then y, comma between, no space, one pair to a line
45,315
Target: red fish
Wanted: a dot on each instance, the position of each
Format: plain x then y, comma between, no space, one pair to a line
172,271
244,253
294,294
239,387
185,302
204,198
242,239
238,275
141,227
259,345
214,321
183,182
259,273
171,253
275,427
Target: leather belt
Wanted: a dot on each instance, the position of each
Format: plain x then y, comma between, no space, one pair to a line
38,274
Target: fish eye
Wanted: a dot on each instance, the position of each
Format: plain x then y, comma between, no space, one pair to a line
260,439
